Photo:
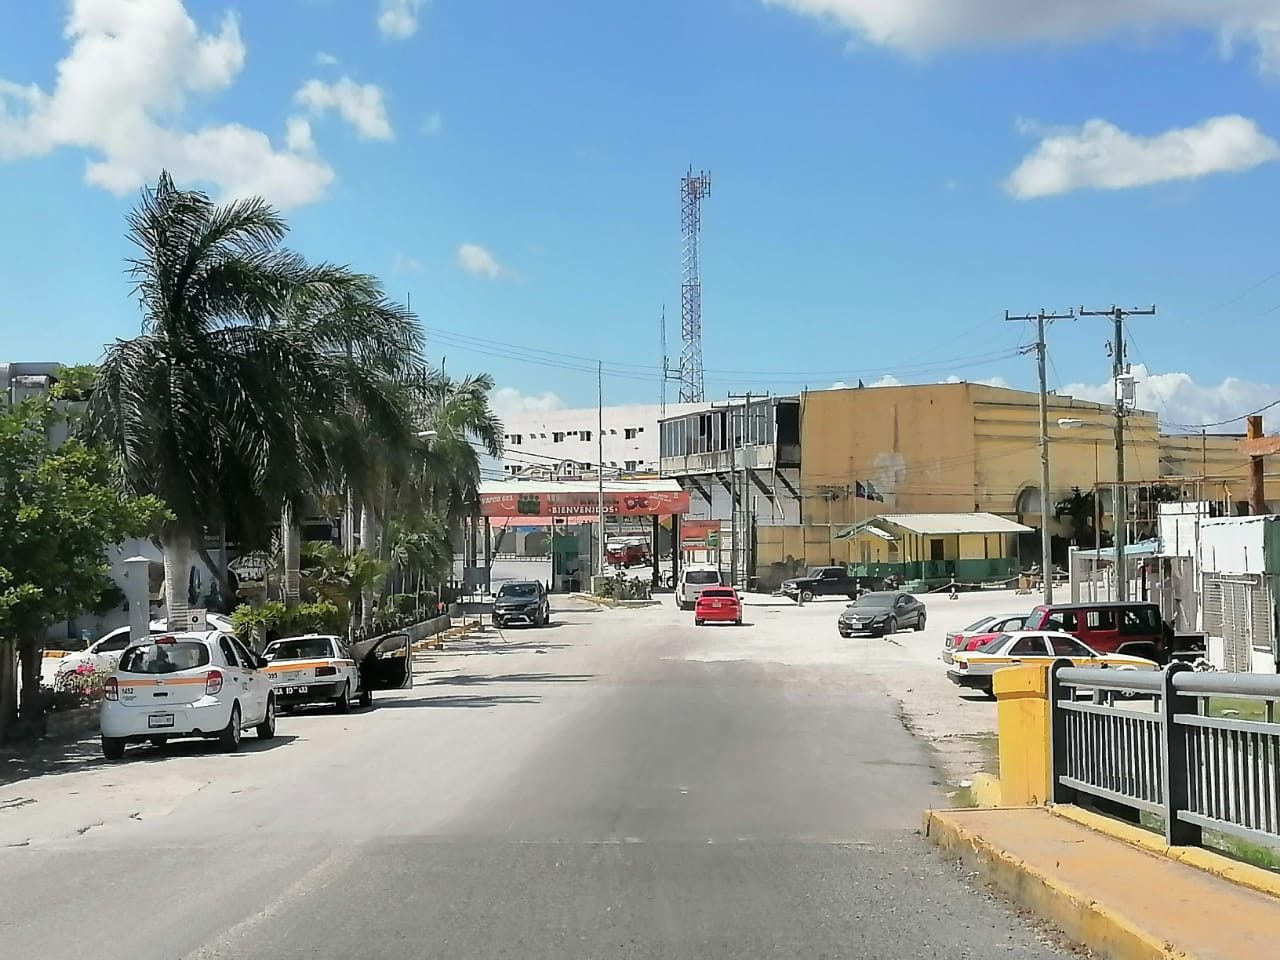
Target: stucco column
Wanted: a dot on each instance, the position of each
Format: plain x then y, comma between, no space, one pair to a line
137,576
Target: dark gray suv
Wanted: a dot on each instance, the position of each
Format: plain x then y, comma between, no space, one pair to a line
521,602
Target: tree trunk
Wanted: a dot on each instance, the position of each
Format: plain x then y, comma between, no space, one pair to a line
29,711
368,536
8,688
291,547
177,578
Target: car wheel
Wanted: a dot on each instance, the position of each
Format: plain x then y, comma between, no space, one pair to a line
806,595
113,747
267,728
846,634
891,627
366,698
343,703
697,622
229,738
920,622
159,741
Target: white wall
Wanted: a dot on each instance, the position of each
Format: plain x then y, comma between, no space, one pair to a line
1233,545
537,445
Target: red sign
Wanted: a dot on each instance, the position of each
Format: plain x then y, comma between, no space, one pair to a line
583,505
699,534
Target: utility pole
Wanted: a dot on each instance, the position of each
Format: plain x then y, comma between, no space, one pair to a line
1046,540
600,459
1118,370
741,485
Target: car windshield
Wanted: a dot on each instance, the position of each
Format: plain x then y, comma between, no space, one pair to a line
164,657
702,576
978,625
717,594
299,648
522,590
874,600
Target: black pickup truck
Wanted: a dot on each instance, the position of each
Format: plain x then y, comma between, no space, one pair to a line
824,582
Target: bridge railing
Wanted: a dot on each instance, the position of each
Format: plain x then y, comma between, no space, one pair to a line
1179,761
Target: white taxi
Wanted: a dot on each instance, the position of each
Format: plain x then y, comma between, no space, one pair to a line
186,685
976,668
316,668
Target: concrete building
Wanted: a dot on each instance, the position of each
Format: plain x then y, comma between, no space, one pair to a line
1239,568
565,441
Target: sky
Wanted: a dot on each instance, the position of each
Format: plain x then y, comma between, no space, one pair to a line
888,177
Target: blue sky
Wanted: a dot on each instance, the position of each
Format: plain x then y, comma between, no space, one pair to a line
888,178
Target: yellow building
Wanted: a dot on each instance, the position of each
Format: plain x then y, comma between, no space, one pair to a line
955,448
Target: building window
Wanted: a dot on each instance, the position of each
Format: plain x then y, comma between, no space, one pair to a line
630,433
584,435
630,466
557,437
515,439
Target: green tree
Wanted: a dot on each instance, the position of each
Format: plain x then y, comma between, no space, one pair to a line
217,407
59,512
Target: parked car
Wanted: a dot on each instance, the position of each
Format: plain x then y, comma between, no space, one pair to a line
1134,628
980,632
186,685
521,602
316,668
882,613
102,654
693,580
718,605
821,582
974,670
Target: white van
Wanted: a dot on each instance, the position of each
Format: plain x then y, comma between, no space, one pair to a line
693,580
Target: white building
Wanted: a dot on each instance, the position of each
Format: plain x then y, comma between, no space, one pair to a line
562,441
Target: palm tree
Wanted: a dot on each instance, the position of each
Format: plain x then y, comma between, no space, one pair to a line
210,407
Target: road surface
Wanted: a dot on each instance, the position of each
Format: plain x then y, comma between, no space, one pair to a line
618,785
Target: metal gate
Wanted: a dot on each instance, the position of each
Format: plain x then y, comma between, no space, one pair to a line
1238,609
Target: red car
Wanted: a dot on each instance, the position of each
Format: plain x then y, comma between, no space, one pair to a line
718,605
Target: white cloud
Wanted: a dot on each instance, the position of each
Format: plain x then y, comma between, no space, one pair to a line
433,124
925,26
324,59
297,135
474,258
402,263
399,18
1101,156
508,401
120,90
360,104
1180,402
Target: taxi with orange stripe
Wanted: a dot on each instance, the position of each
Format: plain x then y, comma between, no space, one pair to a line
315,668
974,669
205,684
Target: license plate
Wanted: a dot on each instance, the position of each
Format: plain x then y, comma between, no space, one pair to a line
160,720
295,689
715,603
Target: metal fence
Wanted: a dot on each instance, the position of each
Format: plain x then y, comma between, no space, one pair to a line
1194,770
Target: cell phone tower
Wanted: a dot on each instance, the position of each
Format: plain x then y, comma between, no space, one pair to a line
692,191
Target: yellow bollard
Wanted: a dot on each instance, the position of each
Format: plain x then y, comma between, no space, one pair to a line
1022,711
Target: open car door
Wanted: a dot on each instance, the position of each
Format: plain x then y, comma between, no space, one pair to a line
385,662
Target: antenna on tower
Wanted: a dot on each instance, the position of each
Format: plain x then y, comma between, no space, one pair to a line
693,189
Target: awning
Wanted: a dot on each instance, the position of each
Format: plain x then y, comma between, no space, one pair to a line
866,526
1143,548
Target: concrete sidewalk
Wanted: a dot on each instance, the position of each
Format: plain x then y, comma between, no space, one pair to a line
1119,899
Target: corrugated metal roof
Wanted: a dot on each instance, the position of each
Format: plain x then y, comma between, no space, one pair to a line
578,486
944,524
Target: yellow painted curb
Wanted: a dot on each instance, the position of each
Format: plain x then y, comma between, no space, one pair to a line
1071,910
986,790
1244,874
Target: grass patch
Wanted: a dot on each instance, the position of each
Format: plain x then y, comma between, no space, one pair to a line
1255,854
1255,710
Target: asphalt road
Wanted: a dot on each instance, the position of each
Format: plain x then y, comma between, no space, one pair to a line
588,790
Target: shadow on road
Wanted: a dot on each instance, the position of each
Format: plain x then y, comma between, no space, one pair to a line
465,680
53,759
467,700
486,647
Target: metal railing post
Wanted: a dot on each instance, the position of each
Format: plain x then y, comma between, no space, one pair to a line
1174,767
1058,746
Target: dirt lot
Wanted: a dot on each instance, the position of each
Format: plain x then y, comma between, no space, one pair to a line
960,725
